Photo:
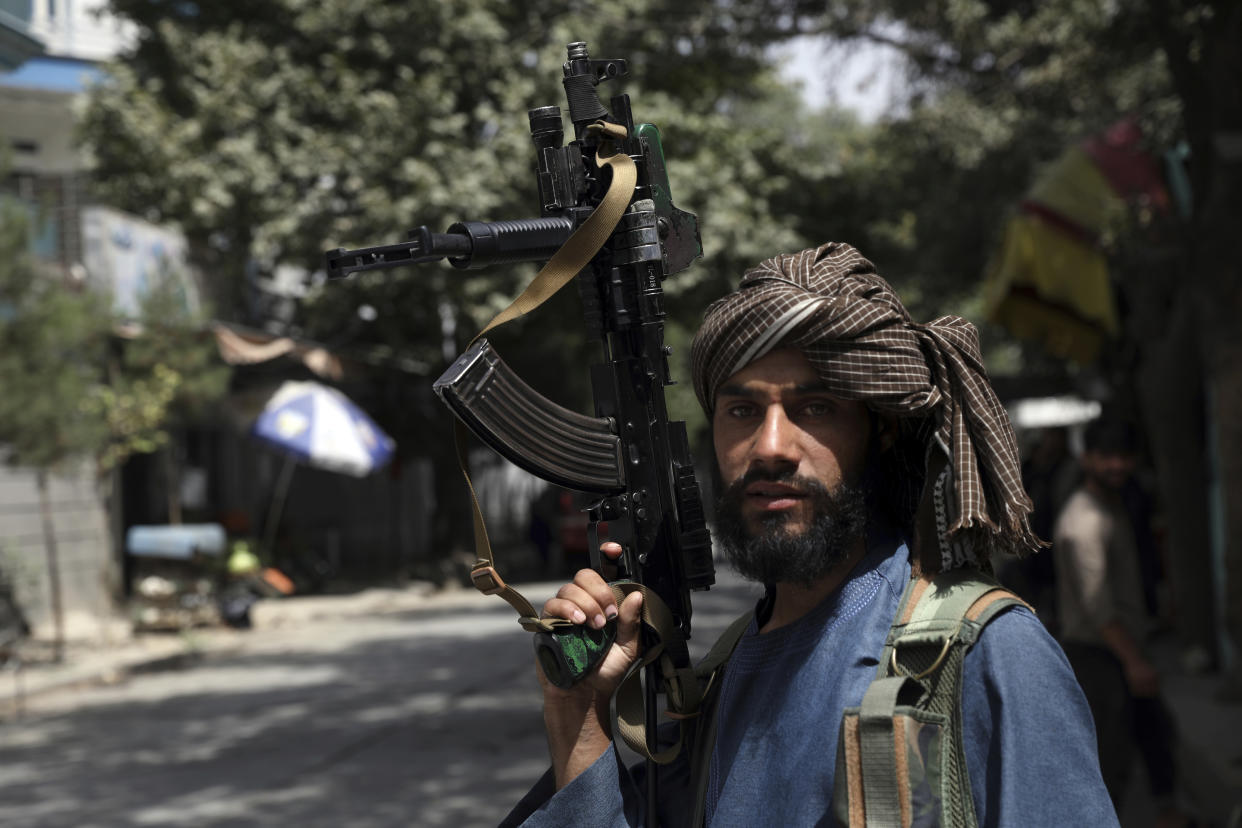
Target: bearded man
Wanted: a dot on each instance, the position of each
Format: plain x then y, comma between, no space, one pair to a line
860,454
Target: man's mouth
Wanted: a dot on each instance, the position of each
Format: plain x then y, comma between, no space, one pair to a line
771,497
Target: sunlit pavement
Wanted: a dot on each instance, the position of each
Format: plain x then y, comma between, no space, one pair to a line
427,717
379,714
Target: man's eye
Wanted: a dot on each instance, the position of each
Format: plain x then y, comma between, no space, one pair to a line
817,408
739,410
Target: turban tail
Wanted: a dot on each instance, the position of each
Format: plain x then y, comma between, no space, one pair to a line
830,303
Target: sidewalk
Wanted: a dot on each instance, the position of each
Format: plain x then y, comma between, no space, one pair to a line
1210,730
84,665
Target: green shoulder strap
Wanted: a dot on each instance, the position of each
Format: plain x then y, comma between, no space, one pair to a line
881,779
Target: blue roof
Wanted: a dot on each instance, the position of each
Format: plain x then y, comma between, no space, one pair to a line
55,74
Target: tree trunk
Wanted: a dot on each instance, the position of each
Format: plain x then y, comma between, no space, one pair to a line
172,481
53,566
1227,420
1170,383
1220,216
1223,344
110,488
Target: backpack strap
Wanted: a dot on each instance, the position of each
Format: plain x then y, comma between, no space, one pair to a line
886,774
703,738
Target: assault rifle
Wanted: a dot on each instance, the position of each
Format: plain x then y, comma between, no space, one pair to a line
629,456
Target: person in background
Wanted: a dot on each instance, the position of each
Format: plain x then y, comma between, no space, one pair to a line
1049,474
1104,622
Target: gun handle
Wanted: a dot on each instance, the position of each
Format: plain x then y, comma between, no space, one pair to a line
566,656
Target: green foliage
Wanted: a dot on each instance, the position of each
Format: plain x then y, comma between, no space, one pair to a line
997,89
176,340
167,376
52,341
278,129
274,130
134,411
56,346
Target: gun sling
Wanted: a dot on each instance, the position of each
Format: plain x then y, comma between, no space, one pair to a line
590,443
576,254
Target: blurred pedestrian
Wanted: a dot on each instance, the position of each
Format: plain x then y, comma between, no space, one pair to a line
1049,474
1103,619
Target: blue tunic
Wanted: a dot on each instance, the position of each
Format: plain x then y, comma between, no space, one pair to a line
1029,740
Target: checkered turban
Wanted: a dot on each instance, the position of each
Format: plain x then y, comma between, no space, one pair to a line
830,303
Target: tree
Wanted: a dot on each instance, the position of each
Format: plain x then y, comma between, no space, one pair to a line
52,341
167,377
74,389
270,131
999,86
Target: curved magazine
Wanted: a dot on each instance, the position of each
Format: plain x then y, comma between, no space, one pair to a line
546,439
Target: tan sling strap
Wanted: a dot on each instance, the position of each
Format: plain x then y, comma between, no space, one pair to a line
687,689
567,262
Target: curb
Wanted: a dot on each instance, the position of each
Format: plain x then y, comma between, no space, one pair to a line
38,681
146,653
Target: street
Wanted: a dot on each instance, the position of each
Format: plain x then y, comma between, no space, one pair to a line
419,717
429,717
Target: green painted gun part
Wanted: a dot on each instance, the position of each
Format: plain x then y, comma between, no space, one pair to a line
568,655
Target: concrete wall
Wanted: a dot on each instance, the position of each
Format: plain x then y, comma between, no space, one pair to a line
88,571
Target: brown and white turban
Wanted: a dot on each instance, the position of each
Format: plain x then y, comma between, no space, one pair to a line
830,303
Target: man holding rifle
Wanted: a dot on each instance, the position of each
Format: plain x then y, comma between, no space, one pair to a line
868,474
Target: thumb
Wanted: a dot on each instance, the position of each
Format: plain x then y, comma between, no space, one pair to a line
628,616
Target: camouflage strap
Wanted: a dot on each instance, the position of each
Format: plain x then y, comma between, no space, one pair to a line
901,760
882,786
567,653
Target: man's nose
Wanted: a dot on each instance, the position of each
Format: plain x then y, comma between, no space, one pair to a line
776,444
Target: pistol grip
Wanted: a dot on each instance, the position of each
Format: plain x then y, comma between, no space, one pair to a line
569,654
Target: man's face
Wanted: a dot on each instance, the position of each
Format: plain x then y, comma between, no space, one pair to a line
776,426
1108,468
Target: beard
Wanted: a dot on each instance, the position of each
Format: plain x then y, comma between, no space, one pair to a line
776,553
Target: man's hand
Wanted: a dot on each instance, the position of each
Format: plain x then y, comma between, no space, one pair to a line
1142,678
577,718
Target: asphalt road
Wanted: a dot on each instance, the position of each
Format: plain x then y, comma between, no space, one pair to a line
426,718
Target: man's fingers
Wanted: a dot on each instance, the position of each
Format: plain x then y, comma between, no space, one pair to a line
611,549
627,621
594,585
576,604
564,608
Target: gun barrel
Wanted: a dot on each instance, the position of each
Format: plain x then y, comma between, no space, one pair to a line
467,244
504,242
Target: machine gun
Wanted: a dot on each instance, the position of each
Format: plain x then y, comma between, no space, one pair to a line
629,456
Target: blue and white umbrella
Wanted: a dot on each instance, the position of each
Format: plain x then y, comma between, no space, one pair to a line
321,427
